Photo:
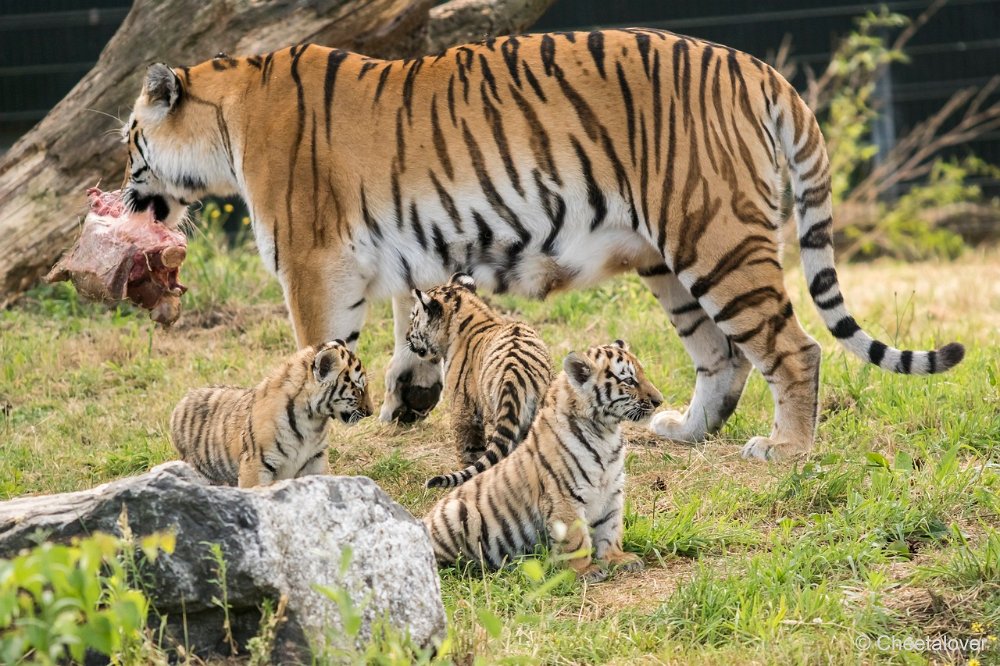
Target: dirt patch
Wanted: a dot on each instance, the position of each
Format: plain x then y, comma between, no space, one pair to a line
640,591
230,317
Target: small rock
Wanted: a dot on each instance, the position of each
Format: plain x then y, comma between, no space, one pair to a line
282,539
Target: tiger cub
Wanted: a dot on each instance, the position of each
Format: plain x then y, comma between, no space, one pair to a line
564,481
496,370
277,429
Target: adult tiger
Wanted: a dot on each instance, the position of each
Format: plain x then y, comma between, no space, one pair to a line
534,163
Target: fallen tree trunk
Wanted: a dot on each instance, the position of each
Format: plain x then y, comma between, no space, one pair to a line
44,176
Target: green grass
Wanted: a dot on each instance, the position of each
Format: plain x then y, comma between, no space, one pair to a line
888,528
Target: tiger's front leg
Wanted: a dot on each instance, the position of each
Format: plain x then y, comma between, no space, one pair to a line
609,530
325,296
570,532
721,368
412,384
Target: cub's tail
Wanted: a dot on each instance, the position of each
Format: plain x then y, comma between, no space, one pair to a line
498,448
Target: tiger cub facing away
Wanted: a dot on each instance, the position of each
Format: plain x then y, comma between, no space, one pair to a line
564,481
277,429
495,369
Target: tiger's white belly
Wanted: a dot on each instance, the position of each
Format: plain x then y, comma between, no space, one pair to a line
574,257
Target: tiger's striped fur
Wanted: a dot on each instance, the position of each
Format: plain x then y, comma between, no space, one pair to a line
277,429
534,163
564,482
496,370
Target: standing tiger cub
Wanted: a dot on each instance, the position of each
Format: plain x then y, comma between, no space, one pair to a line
496,370
277,429
564,481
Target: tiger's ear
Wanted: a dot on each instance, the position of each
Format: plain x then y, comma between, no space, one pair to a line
621,344
464,280
578,369
162,89
328,363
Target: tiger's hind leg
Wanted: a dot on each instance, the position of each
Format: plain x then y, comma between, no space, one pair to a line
469,432
743,291
254,471
722,369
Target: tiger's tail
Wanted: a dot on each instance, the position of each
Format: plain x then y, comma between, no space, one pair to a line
800,138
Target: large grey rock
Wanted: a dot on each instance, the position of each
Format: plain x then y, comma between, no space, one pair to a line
284,539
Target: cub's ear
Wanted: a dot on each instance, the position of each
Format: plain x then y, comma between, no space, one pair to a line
328,362
578,369
427,303
420,297
464,280
621,344
162,88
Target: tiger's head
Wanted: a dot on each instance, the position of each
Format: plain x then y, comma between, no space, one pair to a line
339,384
431,317
179,147
612,384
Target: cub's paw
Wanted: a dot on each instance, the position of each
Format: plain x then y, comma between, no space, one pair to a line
593,574
627,562
468,457
673,425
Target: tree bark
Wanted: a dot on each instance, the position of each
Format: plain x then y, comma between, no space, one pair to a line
461,21
44,176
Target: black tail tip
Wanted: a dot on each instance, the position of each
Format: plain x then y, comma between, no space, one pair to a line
436,482
951,355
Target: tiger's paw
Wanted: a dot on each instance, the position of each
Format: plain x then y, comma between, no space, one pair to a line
411,394
626,562
673,425
593,574
765,448
761,448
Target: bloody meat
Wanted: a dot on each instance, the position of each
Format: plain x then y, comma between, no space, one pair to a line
121,255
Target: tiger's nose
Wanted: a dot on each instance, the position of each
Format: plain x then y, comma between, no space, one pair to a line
656,400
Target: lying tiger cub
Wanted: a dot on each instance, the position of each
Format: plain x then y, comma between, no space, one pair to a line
496,370
277,429
565,480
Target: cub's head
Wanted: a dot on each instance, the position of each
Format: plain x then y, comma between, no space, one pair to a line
339,384
179,147
612,383
432,314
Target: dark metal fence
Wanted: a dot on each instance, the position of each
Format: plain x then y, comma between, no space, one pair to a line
959,46
46,46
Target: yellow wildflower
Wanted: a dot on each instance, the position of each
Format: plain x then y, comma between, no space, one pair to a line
215,214
246,220
228,208
977,627
973,662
